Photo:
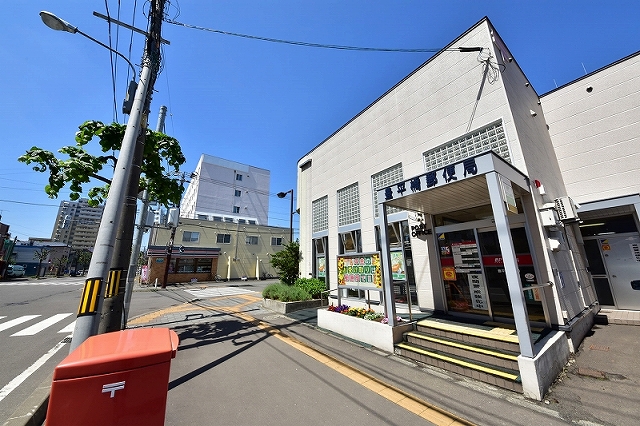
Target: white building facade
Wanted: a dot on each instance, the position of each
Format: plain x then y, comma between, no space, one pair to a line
227,191
456,179
594,123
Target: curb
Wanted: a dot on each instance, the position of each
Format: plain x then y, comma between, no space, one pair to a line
33,410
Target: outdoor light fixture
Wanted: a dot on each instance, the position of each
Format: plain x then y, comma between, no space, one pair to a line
291,212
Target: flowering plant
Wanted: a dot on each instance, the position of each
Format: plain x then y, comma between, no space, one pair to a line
385,320
368,314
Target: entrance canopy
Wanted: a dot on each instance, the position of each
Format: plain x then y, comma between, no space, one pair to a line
470,183
455,187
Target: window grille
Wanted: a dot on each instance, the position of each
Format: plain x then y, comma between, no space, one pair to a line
348,205
383,179
320,209
489,138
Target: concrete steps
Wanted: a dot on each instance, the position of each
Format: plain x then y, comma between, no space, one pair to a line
487,352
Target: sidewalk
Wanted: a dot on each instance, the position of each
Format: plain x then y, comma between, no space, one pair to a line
234,367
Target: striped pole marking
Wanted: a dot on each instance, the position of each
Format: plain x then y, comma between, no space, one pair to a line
113,287
89,300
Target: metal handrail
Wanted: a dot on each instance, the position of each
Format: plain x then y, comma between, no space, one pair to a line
547,284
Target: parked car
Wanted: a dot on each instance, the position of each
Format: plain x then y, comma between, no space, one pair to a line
15,271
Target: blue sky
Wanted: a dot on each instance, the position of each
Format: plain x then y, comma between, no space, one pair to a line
256,102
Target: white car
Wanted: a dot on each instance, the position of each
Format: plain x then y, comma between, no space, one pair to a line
15,271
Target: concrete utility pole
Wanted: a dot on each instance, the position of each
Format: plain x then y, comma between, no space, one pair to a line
93,294
142,219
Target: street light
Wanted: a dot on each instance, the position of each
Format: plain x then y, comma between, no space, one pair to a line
55,23
92,297
291,212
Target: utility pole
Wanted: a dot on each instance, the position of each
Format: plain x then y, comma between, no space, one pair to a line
93,294
140,227
174,227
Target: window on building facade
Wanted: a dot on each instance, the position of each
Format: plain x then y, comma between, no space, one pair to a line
276,241
488,138
238,193
191,265
252,222
320,213
223,239
383,179
236,209
350,242
203,217
238,176
242,221
189,236
228,219
252,240
348,205
217,219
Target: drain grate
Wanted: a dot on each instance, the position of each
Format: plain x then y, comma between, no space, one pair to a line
599,348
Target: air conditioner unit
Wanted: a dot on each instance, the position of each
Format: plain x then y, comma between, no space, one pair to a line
566,209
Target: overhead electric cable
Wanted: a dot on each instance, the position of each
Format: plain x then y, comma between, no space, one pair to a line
323,46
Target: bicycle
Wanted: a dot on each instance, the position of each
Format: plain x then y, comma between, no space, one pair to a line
266,276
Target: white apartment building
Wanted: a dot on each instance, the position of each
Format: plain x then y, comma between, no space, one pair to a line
463,191
77,224
227,191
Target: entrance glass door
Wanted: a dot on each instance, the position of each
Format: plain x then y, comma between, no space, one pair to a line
474,276
497,288
462,272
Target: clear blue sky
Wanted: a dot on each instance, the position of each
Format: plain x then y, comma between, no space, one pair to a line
260,103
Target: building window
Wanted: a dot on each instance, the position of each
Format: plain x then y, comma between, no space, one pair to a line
191,265
489,138
203,217
320,213
252,240
350,242
228,219
223,239
238,176
217,219
238,193
190,236
242,221
236,209
276,241
383,179
348,205
252,222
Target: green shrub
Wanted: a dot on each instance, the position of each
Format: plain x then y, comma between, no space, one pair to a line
313,286
285,293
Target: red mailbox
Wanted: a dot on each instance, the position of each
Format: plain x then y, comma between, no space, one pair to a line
118,378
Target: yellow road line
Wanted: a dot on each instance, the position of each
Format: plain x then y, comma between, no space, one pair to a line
426,410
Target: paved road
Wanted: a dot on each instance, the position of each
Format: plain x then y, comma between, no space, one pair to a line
35,318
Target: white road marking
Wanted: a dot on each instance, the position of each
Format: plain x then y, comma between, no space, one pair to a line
38,327
29,371
218,291
69,328
17,321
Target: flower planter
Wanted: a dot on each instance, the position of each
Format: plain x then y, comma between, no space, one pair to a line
286,307
382,336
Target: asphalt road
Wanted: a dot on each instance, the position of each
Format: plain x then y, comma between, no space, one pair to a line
35,317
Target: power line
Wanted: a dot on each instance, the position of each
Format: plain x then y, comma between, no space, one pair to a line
304,43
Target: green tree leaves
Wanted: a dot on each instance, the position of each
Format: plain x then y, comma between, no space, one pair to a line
162,158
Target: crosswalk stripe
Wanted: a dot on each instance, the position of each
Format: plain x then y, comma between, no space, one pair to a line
218,291
17,321
69,328
36,328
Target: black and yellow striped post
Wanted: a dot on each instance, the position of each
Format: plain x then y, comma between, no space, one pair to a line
89,299
113,287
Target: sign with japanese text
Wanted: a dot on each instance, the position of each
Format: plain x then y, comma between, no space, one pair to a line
362,271
478,291
397,266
